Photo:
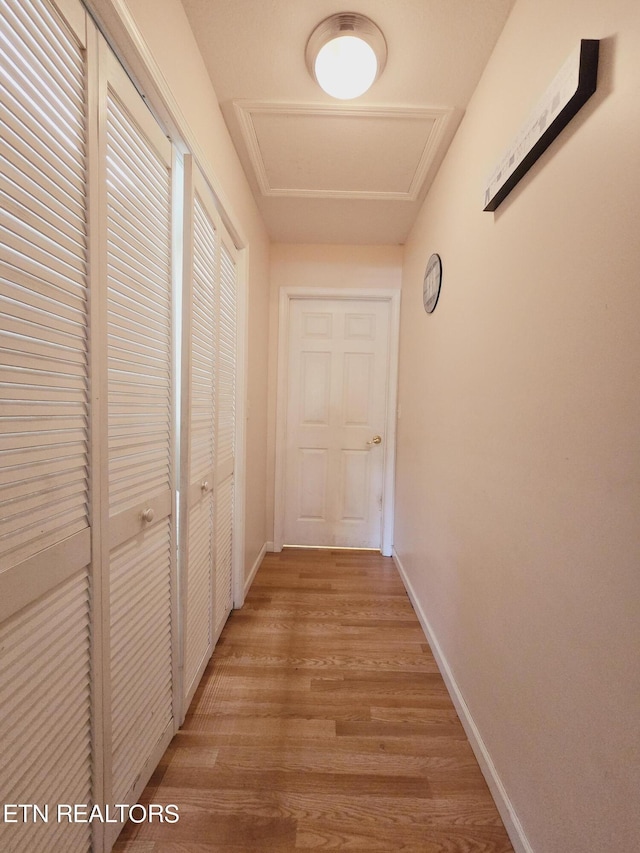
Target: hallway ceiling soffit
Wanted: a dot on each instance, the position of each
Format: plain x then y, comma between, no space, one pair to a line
327,171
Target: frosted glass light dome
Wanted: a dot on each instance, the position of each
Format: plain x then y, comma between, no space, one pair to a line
346,67
345,54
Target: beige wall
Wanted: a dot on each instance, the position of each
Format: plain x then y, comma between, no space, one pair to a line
173,47
319,266
518,485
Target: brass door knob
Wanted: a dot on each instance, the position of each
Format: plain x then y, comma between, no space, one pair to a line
377,439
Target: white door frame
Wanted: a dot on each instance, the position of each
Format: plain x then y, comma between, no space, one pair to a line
368,294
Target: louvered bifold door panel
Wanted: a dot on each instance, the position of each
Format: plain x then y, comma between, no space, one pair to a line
140,652
139,425
45,717
203,342
226,418
224,552
43,284
199,602
45,648
139,315
201,276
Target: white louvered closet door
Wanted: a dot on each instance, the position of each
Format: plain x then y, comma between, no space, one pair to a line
201,275
226,432
139,426
45,581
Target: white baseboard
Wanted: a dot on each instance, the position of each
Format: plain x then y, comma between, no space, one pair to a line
254,568
505,807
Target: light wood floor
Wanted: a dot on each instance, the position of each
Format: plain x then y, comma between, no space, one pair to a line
322,723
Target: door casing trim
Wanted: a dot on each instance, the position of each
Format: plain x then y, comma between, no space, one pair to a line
364,294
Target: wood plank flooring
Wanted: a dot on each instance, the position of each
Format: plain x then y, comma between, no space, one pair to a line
321,723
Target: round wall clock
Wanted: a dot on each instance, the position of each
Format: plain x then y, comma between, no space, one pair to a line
431,284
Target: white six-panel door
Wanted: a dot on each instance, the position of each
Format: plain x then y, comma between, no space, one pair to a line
336,415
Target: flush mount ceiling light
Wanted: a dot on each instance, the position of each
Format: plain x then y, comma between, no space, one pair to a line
345,54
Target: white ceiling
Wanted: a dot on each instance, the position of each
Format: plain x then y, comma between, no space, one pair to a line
327,171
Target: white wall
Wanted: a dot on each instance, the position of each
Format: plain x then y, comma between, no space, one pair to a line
518,485
319,266
172,44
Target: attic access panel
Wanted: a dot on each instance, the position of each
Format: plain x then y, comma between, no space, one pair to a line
331,152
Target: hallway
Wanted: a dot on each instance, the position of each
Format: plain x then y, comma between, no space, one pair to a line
321,722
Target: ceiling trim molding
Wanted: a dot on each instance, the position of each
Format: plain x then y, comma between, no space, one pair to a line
441,117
